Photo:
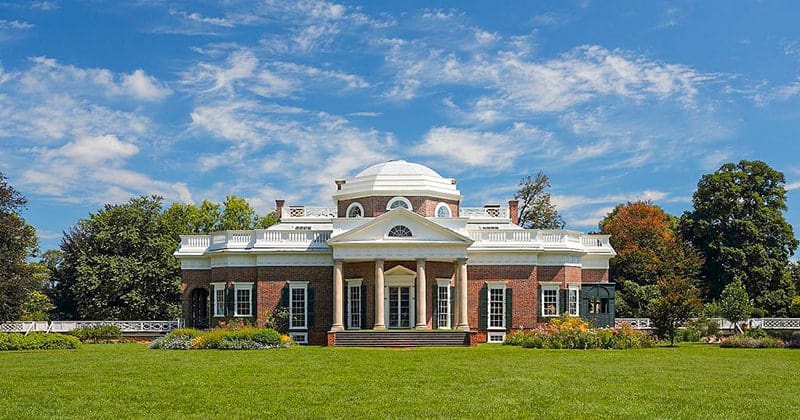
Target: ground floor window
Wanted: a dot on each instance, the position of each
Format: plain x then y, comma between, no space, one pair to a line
598,306
497,306
443,304
219,299
298,293
243,299
572,300
550,301
354,304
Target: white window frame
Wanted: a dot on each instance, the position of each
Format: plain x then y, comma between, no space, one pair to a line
549,287
351,207
396,199
298,285
237,286
299,337
443,283
576,290
495,286
495,337
219,310
354,284
443,206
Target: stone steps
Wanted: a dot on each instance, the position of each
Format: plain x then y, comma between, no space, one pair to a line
402,339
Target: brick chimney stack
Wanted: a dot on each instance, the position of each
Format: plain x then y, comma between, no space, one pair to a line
513,211
279,208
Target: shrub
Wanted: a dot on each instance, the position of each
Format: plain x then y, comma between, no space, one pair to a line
793,342
237,338
743,341
37,341
689,334
97,334
706,327
575,333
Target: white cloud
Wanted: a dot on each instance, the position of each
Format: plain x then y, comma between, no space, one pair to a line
141,86
15,24
93,150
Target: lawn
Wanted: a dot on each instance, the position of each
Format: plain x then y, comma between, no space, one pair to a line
128,380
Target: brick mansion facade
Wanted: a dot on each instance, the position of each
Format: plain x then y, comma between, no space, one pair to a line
397,252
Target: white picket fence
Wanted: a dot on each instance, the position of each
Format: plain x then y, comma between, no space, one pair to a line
724,324
126,327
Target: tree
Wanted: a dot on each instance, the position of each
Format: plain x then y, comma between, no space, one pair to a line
17,242
648,248
237,214
118,264
734,303
36,307
188,218
536,210
678,301
737,223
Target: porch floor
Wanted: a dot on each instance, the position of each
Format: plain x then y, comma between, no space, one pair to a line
401,338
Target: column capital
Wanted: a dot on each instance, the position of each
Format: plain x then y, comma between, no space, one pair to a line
421,260
461,260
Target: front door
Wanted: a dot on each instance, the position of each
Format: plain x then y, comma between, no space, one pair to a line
198,308
400,310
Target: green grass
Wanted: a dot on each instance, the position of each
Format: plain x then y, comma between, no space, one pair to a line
128,380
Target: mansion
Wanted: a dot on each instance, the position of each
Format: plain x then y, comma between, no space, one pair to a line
397,252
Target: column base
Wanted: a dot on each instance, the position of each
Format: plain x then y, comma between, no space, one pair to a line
379,328
337,328
463,327
421,327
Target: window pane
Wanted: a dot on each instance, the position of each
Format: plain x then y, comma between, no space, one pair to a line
219,302
573,302
355,307
444,307
243,302
496,308
298,308
550,302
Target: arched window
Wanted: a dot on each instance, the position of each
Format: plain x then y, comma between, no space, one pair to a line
398,202
400,231
355,210
443,210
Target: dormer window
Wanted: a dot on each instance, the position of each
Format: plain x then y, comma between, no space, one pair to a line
443,210
399,231
355,210
398,202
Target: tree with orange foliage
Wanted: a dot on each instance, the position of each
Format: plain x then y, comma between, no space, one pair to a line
648,249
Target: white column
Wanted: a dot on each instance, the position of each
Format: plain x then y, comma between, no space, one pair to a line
422,308
463,318
338,297
379,321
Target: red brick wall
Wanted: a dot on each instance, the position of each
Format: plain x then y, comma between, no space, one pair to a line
375,206
594,276
193,279
522,279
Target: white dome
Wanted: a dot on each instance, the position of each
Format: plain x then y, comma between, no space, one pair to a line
398,177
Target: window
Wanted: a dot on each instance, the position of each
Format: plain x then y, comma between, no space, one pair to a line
443,210
243,295
572,300
400,231
443,304
598,306
497,306
398,202
297,305
354,304
496,337
550,301
355,210
219,299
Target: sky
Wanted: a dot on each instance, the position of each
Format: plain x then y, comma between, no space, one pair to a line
615,101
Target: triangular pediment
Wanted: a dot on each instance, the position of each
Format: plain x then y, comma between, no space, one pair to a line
420,229
400,270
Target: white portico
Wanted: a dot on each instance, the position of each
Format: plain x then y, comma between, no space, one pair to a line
400,294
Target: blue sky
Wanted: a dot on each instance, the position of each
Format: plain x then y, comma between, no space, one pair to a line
615,101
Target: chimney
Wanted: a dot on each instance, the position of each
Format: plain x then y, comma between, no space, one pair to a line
452,181
339,183
513,211
279,208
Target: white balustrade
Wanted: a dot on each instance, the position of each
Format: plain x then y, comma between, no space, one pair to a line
126,327
479,212
303,211
635,323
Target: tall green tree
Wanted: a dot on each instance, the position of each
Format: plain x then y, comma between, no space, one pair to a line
118,265
17,242
536,211
678,300
734,303
738,224
648,248
237,214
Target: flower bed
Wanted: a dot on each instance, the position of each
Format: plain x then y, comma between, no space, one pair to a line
97,334
241,338
37,341
576,333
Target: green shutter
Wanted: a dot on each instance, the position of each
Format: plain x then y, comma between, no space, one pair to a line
483,308
310,307
253,301
230,301
562,302
285,296
509,311
363,307
452,307
346,309
435,302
